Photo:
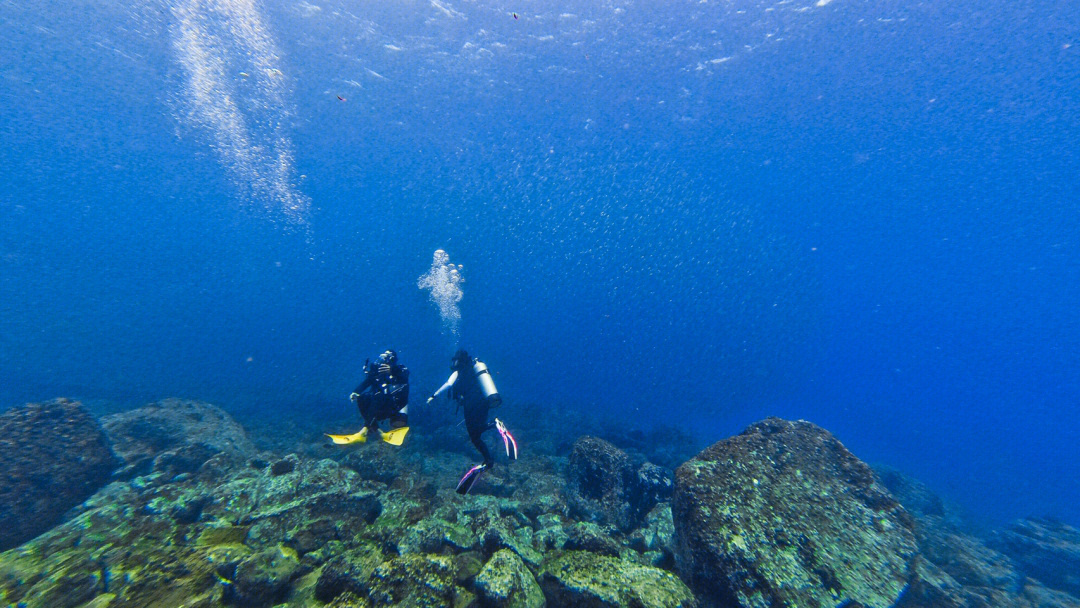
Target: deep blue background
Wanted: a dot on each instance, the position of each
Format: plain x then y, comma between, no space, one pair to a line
864,214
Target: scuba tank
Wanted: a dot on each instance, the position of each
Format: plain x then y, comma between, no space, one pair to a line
487,384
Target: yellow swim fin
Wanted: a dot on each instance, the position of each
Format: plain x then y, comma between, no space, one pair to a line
360,437
395,436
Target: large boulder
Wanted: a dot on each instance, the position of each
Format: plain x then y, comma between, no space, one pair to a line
348,572
55,456
505,582
587,580
414,580
175,435
264,577
608,486
785,515
1044,549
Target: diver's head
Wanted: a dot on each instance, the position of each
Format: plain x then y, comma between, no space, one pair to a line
390,356
460,360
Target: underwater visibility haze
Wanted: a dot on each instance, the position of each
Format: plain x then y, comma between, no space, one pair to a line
689,215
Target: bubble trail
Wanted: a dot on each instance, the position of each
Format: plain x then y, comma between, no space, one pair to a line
443,282
235,90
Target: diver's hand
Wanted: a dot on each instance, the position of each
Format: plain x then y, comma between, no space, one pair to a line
354,396
384,368
430,399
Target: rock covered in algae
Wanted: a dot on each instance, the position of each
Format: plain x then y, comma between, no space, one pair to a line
180,434
415,581
607,485
348,573
784,515
586,580
587,536
54,456
505,582
434,535
264,577
144,543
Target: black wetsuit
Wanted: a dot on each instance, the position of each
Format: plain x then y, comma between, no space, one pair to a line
469,394
384,395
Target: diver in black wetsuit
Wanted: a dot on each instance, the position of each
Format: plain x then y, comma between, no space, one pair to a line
471,385
382,395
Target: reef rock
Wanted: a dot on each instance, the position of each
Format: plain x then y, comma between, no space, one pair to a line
580,578
505,582
348,572
968,560
915,496
655,539
785,515
264,577
414,580
54,456
175,435
1044,549
606,485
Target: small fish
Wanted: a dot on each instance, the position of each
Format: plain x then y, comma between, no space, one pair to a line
515,15
245,74
340,98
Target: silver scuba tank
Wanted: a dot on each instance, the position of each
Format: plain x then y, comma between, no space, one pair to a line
487,384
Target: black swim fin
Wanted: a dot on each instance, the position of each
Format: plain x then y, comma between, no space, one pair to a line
471,477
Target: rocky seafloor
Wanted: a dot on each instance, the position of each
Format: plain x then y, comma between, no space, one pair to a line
173,504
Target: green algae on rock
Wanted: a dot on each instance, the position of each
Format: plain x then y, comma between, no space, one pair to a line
264,577
784,515
349,572
414,581
505,582
580,578
433,535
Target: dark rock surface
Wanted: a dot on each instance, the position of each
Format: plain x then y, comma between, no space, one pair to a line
608,486
957,569
916,498
784,515
263,578
349,572
1044,549
54,456
175,436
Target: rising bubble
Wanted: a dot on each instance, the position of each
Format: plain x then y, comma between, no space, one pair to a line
443,282
234,89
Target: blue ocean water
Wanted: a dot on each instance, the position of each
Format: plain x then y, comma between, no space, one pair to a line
863,214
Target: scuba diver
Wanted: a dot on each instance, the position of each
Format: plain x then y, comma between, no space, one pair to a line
471,385
383,395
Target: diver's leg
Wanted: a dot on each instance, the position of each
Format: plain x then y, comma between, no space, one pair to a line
399,417
366,405
476,423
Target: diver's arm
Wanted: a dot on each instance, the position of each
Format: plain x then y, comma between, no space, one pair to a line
450,382
369,380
